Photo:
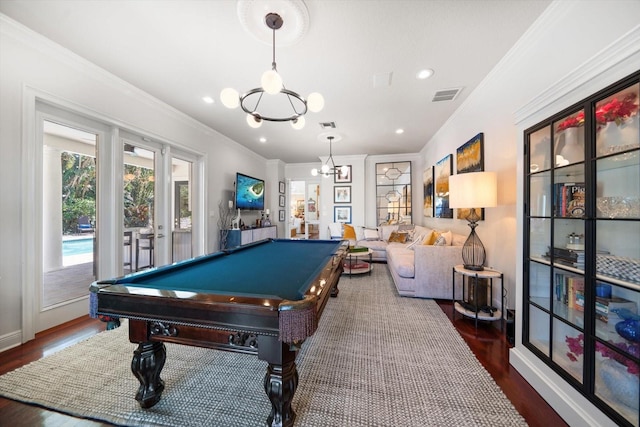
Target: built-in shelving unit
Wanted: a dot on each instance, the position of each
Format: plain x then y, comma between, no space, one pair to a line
582,247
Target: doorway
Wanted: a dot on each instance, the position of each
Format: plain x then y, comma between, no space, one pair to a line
304,210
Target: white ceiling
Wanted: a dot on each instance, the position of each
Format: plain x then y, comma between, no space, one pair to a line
180,51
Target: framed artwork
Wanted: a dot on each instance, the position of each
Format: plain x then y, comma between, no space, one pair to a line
340,177
281,187
342,214
281,201
427,180
281,215
470,158
342,194
441,173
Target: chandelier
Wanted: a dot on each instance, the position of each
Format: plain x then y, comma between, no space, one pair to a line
272,85
327,170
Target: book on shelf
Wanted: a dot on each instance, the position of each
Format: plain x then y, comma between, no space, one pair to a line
605,307
567,290
569,199
569,257
358,249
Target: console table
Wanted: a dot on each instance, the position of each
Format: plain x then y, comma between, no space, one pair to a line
461,307
237,238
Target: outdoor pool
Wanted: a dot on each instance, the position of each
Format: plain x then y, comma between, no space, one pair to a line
77,247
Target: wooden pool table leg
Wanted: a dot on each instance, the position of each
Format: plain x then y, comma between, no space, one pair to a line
148,361
280,381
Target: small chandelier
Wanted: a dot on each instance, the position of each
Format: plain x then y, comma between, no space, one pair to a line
271,83
327,170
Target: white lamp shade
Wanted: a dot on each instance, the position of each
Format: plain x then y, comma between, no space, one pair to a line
271,82
315,102
298,123
325,168
253,121
314,172
230,98
473,190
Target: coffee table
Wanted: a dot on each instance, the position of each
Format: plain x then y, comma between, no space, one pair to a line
354,262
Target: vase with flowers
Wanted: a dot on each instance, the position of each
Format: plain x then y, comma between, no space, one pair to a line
619,374
617,124
570,139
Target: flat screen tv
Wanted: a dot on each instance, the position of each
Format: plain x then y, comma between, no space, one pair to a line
249,192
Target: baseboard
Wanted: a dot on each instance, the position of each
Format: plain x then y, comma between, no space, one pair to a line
574,408
10,340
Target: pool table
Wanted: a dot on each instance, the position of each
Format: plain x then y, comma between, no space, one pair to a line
265,299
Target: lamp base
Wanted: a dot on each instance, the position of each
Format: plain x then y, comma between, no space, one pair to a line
473,267
473,253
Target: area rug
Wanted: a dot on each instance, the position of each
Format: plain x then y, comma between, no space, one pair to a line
377,359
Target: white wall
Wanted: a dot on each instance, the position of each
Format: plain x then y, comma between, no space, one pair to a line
31,61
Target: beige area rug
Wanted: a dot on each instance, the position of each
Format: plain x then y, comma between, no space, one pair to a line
377,359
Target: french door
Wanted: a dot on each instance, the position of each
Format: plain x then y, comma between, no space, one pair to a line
66,227
89,184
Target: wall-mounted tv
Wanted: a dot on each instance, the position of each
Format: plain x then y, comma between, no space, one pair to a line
249,192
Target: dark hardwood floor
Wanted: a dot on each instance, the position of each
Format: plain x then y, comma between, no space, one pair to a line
488,343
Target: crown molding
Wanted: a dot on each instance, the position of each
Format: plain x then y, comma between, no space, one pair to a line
620,58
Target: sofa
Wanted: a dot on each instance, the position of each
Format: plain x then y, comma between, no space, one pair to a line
418,269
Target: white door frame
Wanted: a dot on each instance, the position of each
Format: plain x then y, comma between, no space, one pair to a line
110,197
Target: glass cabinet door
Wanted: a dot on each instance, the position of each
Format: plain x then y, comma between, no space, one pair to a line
582,247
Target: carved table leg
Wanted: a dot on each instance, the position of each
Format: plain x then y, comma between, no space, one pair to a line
280,383
148,361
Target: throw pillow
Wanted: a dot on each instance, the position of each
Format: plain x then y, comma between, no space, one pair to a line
440,241
448,237
397,237
416,241
348,232
431,238
370,234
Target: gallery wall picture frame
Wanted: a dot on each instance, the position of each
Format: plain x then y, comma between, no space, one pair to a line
470,158
281,187
342,194
427,180
441,173
281,201
342,214
281,215
341,177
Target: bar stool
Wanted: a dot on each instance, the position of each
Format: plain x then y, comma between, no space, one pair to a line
128,242
144,242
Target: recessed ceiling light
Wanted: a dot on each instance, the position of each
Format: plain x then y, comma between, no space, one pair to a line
208,99
399,131
263,139
424,74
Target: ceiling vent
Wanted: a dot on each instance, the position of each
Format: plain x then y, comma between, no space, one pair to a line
446,94
328,125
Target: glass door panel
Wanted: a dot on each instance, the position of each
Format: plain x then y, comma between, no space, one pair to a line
540,150
181,177
139,206
617,122
569,139
69,213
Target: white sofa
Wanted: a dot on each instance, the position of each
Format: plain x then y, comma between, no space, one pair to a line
418,270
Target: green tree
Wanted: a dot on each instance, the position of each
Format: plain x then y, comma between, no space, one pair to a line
78,189
138,196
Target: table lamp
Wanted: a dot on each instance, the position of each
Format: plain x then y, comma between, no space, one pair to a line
473,190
